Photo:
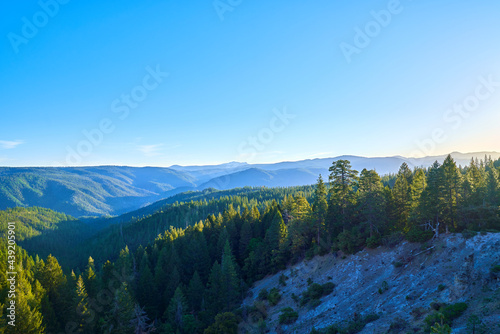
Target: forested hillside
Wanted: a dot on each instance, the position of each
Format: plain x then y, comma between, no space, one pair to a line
206,253
114,190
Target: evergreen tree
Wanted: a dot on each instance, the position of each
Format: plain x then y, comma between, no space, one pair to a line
215,290
492,187
450,192
90,278
177,308
432,198
29,319
319,208
371,200
146,289
229,278
342,182
83,313
195,292
225,323
140,321
122,313
245,237
402,196
417,187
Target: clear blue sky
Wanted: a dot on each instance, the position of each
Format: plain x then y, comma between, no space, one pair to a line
231,70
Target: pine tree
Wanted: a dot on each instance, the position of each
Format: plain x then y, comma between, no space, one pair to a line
90,278
177,308
81,302
319,208
147,293
417,187
450,192
229,278
215,290
53,280
245,237
29,319
371,200
120,318
432,204
140,321
342,182
195,292
402,196
492,187
477,182
276,233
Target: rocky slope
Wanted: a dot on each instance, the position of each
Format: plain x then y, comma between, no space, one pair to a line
398,284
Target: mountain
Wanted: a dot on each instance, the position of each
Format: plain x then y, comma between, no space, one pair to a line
114,190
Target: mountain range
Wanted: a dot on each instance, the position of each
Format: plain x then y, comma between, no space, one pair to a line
114,190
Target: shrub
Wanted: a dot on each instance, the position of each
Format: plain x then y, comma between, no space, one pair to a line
274,296
418,235
431,319
263,294
373,242
328,288
398,326
309,281
288,316
397,264
310,254
384,287
257,311
355,325
392,240
441,287
453,311
315,291
467,234
261,326
283,279
436,306
495,269
224,323
315,303
446,314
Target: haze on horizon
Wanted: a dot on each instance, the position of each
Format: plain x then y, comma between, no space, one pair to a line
168,83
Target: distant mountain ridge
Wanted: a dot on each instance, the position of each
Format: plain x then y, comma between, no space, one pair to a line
113,190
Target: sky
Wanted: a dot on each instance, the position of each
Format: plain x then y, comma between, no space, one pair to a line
158,83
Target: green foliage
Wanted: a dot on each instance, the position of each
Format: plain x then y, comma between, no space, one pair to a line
263,294
453,311
383,288
282,279
274,296
418,235
445,316
288,316
314,292
475,325
201,250
352,326
225,323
